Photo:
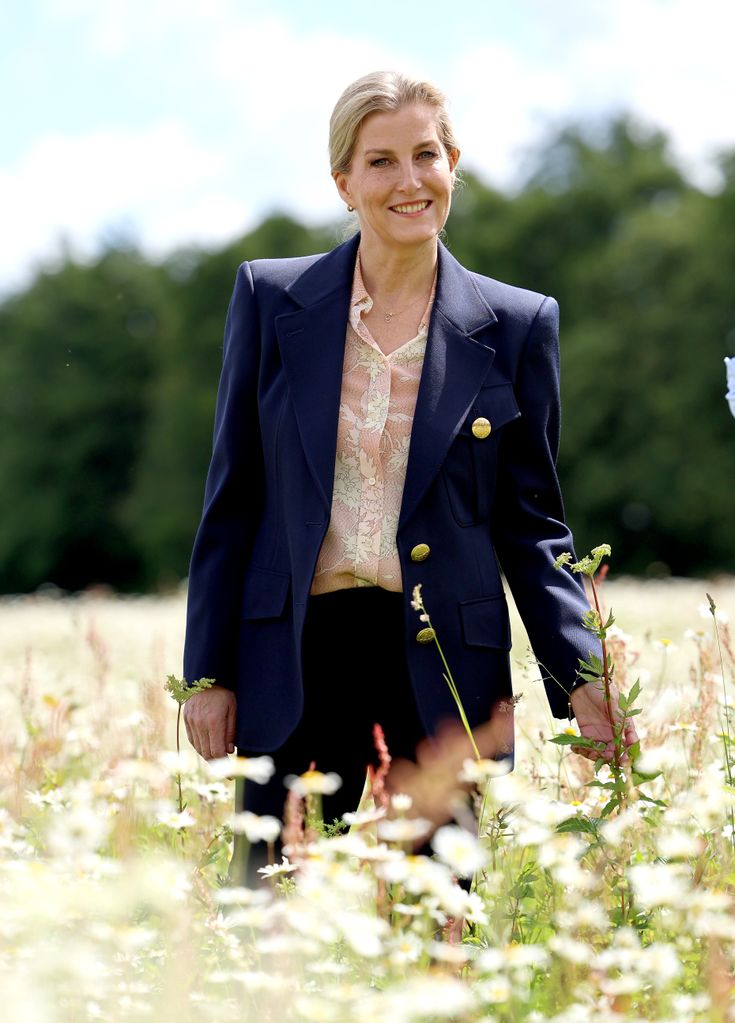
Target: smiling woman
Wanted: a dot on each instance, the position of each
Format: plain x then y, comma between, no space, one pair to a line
384,418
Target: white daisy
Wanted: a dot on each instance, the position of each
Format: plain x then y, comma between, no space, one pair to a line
255,828
313,782
459,849
258,769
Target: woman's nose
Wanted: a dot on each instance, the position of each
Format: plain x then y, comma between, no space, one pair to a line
409,179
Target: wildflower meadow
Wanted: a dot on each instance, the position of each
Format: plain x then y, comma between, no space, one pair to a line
566,890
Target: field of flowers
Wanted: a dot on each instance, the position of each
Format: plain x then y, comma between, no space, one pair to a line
115,899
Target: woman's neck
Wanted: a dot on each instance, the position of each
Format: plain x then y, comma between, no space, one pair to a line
396,276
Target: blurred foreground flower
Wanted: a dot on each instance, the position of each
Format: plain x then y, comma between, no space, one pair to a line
259,769
255,828
404,829
171,819
460,850
313,783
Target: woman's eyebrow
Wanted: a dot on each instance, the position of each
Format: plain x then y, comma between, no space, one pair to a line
419,145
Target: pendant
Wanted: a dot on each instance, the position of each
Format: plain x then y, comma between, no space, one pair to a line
388,317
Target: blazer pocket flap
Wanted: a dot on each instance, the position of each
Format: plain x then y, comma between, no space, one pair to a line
497,404
264,593
485,622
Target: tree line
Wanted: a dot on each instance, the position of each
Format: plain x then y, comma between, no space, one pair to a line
108,370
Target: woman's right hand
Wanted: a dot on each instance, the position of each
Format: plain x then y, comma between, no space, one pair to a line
209,717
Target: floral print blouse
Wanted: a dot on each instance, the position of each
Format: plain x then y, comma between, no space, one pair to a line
373,435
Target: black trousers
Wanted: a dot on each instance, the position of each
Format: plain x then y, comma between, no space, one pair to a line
355,674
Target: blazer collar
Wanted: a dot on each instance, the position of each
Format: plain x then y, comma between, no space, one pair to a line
457,295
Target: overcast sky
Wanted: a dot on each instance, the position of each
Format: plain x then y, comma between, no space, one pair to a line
176,121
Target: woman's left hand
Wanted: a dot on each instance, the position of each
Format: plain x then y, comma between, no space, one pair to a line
591,711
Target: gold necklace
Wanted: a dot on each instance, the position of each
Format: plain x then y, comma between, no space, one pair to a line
388,316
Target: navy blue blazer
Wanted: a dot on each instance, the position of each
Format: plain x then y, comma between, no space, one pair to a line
480,504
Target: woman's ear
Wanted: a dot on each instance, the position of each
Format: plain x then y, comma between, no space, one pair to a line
342,182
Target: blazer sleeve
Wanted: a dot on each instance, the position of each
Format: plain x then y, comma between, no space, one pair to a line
232,499
529,527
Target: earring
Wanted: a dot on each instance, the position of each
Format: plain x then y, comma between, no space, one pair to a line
350,209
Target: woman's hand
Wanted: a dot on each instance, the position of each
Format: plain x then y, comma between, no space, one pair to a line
590,710
209,717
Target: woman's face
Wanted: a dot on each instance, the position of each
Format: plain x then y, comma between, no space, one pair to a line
400,180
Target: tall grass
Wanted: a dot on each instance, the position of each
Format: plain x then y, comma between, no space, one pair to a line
115,902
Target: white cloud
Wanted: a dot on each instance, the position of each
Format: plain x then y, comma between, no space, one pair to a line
282,88
254,138
158,184
667,61
114,28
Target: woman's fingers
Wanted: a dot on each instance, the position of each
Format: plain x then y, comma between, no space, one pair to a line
231,723
191,719
210,717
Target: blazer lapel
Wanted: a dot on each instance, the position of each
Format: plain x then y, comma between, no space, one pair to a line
455,365
312,342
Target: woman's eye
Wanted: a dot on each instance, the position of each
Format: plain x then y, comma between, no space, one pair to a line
428,153
380,162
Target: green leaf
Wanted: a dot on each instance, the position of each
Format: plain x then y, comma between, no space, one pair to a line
576,824
588,677
181,690
594,665
649,799
609,807
639,777
565,739
591,620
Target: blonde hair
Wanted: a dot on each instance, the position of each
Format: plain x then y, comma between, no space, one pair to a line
381,90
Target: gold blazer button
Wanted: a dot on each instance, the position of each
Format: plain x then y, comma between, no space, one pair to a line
420,552
481,428
425,636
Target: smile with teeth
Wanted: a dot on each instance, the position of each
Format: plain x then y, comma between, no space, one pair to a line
412,207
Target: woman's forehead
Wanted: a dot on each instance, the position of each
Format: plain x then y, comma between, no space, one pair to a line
384,129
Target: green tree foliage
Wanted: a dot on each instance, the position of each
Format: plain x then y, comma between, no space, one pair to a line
638,259
76,371
108,372
166,497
